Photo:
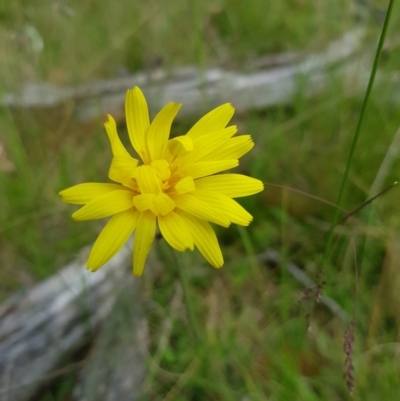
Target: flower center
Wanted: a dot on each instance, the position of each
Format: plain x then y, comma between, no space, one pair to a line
156,182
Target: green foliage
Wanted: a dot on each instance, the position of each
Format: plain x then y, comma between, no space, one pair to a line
261,342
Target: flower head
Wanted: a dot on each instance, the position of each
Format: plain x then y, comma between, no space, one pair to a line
173,186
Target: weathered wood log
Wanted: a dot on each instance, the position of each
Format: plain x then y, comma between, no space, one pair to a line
41,325
116,367
271,80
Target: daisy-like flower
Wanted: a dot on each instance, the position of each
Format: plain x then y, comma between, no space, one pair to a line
173,186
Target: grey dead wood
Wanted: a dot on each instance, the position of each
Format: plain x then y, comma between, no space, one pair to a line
268,81
115,368
42,325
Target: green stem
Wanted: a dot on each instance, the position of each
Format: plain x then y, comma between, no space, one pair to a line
186,293
357,132
252,260
367,202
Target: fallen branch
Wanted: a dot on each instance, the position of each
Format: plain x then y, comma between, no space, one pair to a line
54,318
272,80
116,366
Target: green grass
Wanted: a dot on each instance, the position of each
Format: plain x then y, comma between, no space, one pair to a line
259,343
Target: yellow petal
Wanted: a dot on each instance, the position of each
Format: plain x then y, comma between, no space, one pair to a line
144,202
182,142
112,238
204,238
144,237
224,206
159,204
208,143
105,205
213,121
160,128
122,169
185,185
232,185
202,169
163,204
118,149
147,180
137,121
198,208
162,169
178,146
83,193
234,148
176,232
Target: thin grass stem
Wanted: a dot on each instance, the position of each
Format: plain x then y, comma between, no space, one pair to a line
357,132
367,202
189,300
298,191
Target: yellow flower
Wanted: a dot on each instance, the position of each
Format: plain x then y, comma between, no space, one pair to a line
173,186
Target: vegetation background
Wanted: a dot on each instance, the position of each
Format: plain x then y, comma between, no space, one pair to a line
267,339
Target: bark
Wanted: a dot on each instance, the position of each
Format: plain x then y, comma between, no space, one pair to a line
269,80
40,326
